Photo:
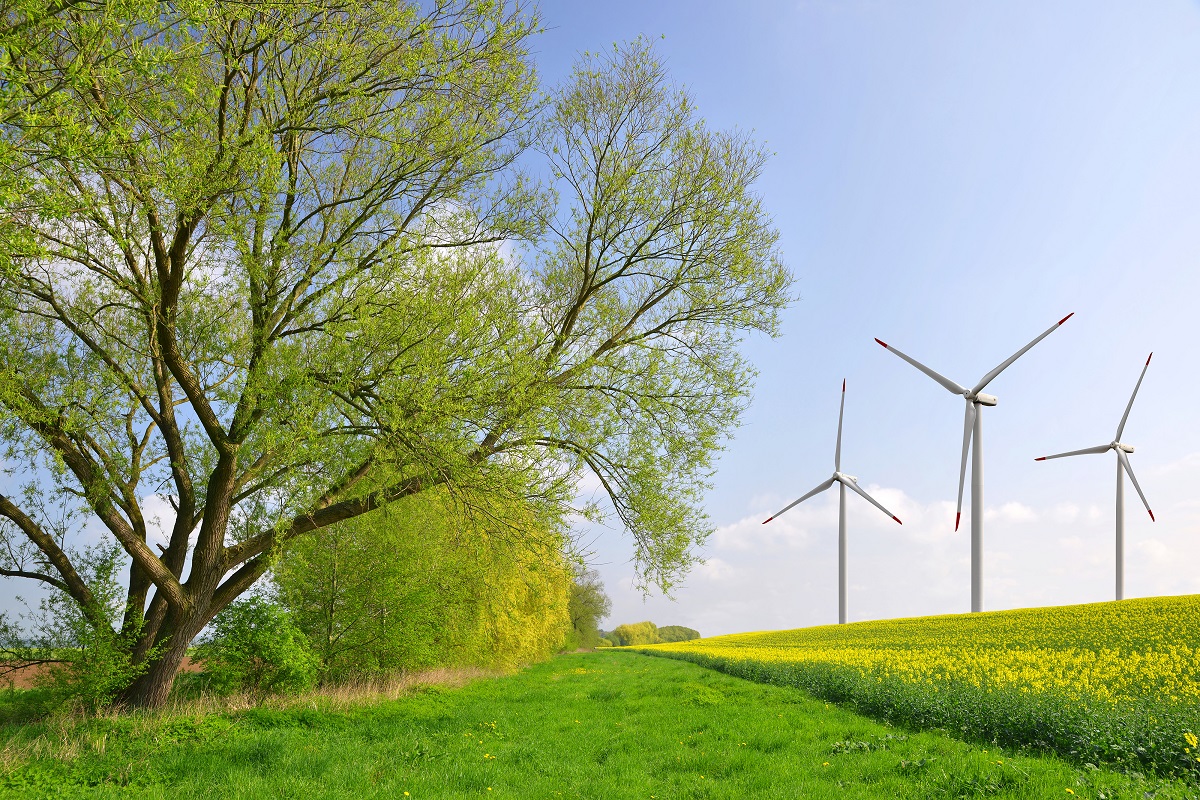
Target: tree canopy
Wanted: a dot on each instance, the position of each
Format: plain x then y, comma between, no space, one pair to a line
279,264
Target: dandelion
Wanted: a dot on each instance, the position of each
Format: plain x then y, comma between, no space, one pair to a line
1190,738
1070,791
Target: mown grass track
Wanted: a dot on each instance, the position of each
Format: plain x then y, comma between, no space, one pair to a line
1105,683
602,725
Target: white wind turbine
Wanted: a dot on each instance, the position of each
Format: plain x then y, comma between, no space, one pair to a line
1122,465
973,428
845,481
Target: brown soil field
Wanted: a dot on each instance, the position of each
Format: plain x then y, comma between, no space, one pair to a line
28,677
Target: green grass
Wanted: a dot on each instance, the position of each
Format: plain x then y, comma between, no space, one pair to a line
602,725
1115,683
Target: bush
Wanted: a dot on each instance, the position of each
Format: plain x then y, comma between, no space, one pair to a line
635,633
677,633
90,659
255,646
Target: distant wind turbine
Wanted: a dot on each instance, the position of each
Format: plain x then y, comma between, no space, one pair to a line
1122,465
973,428
845,481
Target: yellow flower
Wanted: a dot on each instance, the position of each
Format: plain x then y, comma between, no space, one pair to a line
1070,791
1190,738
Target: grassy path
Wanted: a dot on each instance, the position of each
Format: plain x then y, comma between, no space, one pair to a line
602,725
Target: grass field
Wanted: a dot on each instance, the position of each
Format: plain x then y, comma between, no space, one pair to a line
600,725
1106,683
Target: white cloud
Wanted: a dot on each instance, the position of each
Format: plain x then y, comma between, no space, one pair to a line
784,574
1011,512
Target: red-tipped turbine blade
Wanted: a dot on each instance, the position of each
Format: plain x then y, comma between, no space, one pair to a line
881,341
1148,359
986,379
765,521
1041,458
897,519
957,519
1152,519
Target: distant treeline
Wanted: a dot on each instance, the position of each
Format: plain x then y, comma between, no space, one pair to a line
645,633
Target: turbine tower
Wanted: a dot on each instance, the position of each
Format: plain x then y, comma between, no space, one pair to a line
1123,466
973,428
845,481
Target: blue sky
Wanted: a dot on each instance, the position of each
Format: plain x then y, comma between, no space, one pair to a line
952,178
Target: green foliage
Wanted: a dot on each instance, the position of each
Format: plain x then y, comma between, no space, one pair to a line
254,646
90,659
659,258
588,605
676,633
250,259
641,633
635,633
423,583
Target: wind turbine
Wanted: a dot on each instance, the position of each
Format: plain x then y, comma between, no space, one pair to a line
973,428
845,481
1122,464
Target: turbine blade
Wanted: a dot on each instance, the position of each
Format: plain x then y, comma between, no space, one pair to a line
855,487
817,490
968,427
1100,448
1121,427
944,381
991,375
1129,471
837,454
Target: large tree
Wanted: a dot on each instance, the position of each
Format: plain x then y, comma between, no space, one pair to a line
252,262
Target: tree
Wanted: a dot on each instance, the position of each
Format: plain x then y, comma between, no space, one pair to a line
635,633
413,585
588,605
249,264
677,633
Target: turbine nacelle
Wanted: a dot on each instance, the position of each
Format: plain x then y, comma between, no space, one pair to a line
1124,468
973,432
843,477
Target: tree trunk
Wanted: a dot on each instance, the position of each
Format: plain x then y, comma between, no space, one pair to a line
152,688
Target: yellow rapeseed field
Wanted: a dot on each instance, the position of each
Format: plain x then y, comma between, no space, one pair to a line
1139,650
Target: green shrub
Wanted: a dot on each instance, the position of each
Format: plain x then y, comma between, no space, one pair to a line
635,633
254,646
91,659
676,633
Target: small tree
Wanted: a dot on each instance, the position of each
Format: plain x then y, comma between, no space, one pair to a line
421,583
254,646
588,605
635,633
